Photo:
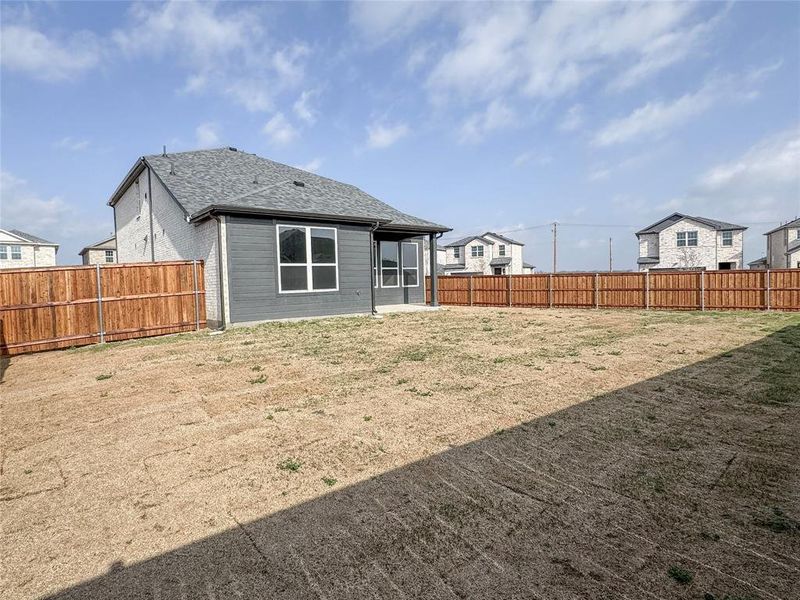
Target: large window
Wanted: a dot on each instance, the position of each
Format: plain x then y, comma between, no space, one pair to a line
3,252
307,259
477,251
410,264
687,238
390,265
375,267
501,250
456,252
109,256
16,252
727,238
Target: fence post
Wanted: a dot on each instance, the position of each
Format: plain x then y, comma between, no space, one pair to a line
647,289
702,290
100,321
550,290
597,290
509,290
196,296
768,292
470,290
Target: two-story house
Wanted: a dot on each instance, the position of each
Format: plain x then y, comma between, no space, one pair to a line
783,248
19,250
693,243
486,254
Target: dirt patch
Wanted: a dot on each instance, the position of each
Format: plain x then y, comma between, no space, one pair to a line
470,452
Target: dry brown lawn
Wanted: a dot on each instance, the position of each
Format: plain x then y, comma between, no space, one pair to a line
466,453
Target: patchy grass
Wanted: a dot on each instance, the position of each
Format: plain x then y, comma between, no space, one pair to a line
681,575
290,464
103,376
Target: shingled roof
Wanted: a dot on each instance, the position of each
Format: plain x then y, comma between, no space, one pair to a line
661,225
27,237
790,224
226,180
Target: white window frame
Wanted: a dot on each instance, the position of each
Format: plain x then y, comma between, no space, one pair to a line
308,264
397,269
473,251
109,254
501,250
730,234
3,252
457,252
403,266
376,264
16,249
686,243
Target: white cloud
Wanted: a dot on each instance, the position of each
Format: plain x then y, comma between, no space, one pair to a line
312,166
280,130
382,135
303,108
546,51
498,115
657,118
71,144
28,50
599,174
207,135
535,158
384,21
224,50
573,118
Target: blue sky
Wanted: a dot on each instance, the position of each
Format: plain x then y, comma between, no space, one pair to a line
505,117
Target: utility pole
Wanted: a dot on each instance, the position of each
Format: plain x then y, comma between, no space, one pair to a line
610,262
555,235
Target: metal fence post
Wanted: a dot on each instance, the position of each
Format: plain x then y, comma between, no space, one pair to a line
597,290
100,321
509,290
768,292
702,290
647,289
196,296
550,290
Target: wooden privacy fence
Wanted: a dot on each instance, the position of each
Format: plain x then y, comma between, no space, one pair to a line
675,290
59,307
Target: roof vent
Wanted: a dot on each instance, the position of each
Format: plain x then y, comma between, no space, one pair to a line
232,149
172,168
299,183
255,179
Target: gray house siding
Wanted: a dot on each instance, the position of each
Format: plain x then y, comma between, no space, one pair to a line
404,295
253,273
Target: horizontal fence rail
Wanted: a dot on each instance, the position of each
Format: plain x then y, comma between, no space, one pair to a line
674,290
59,307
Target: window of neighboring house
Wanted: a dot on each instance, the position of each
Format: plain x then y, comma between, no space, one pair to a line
307,259
477,251
687,238
727,238
410,264
109,256
456,252
375,264
501,250
3,252
16,252
390,265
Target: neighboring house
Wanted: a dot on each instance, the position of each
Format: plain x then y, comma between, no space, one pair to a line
759,263
100,253
277,242
528,269
692,243
21,250
440,260
783,246
486,254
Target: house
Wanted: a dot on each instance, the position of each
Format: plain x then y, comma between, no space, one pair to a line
100,253
441,254
692,243
20,250
783,246
486,254
278,242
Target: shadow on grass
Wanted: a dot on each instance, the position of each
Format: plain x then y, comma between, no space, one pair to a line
683,473
5,360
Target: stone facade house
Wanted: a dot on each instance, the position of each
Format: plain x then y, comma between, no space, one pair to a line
278,242
486,254
783,248
19,250
103,252
683,242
